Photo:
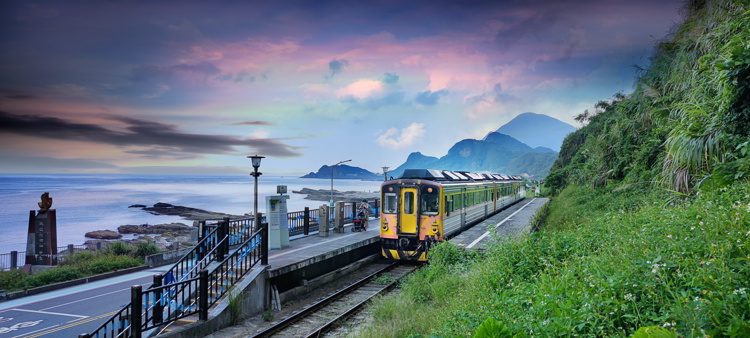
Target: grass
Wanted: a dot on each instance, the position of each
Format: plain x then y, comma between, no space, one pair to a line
117,256
604,264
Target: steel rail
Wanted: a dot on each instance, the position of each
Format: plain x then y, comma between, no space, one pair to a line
332,323
320,304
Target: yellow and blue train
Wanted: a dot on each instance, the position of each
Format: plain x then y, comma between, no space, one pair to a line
424,207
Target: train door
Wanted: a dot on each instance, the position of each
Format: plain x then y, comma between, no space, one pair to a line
408,219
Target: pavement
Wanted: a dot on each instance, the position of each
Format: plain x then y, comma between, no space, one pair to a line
70,311
79,309
510,223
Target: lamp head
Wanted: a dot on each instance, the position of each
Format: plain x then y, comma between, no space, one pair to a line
256,160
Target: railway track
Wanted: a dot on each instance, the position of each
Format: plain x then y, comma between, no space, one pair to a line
326,314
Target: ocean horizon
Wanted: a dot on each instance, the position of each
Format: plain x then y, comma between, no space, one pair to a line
86,202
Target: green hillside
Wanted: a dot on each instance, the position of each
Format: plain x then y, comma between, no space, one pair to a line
648,231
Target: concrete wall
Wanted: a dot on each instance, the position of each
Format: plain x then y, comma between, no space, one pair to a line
167,257
254,291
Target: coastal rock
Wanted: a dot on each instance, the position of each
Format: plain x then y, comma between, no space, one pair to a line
103,234
162,208
346,196
137,206
154,229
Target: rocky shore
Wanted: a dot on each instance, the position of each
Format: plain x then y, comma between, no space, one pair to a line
346,196
195,214
169,236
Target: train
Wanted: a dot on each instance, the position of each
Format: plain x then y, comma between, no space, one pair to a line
426,206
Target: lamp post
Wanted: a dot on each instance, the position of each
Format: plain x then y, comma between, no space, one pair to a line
256,164
385,173
333,167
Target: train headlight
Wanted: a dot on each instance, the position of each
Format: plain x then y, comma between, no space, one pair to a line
384,227
434,230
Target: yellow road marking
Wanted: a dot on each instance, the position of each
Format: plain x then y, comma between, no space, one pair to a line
73,324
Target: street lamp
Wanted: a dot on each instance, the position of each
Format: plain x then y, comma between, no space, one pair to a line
256,164
385,173
333,167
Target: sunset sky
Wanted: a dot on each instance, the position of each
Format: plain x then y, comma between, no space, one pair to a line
194,87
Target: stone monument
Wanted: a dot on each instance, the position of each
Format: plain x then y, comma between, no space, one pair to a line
41,243
278,222
323,221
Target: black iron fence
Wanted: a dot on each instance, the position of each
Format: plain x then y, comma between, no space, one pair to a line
16,259
162,304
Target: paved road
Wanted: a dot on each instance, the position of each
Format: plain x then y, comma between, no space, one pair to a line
71,311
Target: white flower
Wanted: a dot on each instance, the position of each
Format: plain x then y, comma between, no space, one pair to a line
740,291
629,297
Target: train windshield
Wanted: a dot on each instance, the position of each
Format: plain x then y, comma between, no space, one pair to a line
429,200
390,203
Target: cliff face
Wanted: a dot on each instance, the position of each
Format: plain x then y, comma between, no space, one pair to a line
344,172
686,124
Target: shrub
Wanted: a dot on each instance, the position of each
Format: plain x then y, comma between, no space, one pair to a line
54,275
143,249
491,328
12,280
119,248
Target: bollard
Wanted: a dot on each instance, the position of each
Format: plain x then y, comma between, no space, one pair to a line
306,222
71,249
323,221
136,308
158,315
203,295
13,260
263,239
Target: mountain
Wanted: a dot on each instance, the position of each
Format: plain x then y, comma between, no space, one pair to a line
344,172
497,152
537,130
416,160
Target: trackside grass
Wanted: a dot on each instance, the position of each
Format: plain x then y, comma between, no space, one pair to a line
604,263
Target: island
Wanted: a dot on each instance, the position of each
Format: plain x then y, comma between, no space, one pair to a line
345,172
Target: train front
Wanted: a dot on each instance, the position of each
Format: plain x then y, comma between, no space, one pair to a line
410,218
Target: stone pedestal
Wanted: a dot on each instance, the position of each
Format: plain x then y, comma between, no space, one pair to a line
323,221
338,217
278,221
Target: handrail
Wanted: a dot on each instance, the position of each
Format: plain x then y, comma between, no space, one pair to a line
207,243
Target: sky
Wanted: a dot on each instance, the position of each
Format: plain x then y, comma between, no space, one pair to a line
186,87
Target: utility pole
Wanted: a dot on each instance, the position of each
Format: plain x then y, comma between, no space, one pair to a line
333,168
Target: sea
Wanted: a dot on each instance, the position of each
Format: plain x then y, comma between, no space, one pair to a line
93,202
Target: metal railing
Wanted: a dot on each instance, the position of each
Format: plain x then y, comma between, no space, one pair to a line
162,304
16,259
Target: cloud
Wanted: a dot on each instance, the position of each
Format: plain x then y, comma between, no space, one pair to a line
22,163
390,78
201,70
336,66
372,94
138,133
395,139
254,123
430,98
361,89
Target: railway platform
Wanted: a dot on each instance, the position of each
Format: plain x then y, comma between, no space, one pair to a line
509,223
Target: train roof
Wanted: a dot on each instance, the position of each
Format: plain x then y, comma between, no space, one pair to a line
455,176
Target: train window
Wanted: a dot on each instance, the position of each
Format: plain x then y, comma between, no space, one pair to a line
409,202
429,201
390,203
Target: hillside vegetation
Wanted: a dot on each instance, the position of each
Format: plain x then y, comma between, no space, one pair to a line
648,231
